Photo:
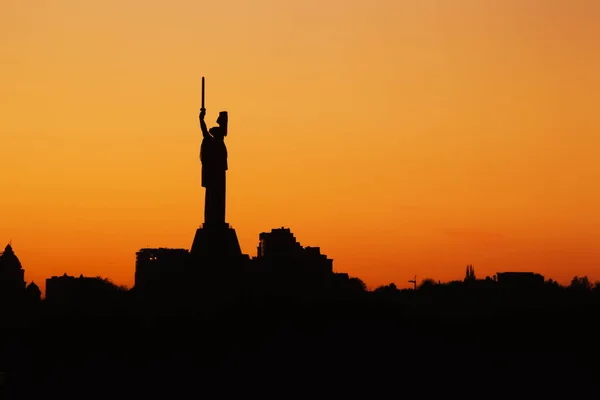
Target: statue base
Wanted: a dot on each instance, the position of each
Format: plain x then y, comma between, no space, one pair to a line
215,242
217,266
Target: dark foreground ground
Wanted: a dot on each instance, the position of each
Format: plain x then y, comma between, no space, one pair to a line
281,349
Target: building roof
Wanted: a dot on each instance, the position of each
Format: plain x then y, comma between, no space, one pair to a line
9,260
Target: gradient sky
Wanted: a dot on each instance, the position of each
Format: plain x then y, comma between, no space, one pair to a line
403,137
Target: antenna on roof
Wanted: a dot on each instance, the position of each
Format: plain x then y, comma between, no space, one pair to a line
414,282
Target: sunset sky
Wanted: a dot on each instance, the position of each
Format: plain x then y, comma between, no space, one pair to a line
403,137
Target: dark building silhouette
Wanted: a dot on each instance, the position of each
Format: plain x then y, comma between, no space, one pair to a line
282,257
33,292
278,243
520,280
79,291
157,268
314,256
12,276
59,289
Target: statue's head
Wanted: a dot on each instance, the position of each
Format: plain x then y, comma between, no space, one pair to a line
222,121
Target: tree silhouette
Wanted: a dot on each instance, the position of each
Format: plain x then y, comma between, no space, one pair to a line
427,284
582,283
357,283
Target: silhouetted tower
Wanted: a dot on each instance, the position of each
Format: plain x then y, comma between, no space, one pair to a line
12,275
470,274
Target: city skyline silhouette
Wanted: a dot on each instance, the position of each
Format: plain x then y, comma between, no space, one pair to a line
435,136
215,199
216,240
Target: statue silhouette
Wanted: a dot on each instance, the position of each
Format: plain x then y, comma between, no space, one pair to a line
213,156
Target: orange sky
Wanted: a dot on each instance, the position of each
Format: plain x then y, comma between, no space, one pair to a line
401,136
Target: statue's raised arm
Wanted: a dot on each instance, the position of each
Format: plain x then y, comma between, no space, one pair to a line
203,123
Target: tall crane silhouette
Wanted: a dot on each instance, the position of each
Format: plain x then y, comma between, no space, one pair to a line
414,282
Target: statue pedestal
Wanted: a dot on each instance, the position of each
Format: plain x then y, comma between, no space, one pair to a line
217,265
216,243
